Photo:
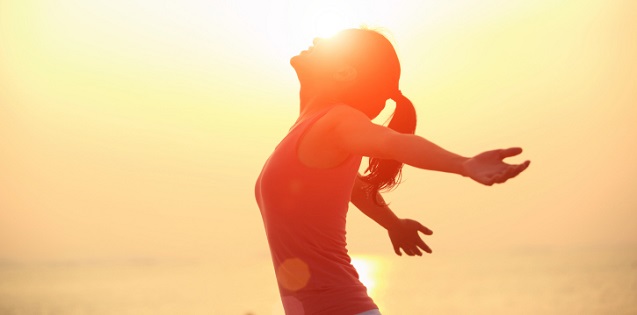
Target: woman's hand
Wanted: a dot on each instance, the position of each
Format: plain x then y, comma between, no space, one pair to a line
404,234
488,168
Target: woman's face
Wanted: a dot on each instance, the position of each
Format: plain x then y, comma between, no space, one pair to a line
369,53
318,61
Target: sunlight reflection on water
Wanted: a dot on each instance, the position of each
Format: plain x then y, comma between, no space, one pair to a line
369,270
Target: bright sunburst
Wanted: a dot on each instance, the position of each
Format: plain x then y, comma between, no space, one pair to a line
329,22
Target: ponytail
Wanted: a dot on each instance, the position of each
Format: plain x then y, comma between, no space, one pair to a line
386,174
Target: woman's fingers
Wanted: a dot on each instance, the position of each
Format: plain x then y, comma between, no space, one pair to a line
505,175
505,153
408,239
513,171
424,246
424,229
524,165
397,249
519,168
412,250
488,168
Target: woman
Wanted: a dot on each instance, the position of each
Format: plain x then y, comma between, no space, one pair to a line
306,185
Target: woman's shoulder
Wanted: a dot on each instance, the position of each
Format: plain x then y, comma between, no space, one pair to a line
343,113
332,118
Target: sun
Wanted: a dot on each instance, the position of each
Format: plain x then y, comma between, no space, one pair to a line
291,27
328,22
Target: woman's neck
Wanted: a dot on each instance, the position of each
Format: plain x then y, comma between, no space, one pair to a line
312,100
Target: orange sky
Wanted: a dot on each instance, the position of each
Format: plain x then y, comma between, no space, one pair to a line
137,128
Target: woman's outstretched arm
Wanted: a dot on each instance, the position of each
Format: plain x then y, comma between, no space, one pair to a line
355,134
403,233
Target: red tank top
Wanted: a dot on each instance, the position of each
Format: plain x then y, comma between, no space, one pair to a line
304,211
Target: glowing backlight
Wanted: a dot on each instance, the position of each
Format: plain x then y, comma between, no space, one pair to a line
368,270
329,22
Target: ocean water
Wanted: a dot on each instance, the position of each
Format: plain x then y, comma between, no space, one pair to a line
523,282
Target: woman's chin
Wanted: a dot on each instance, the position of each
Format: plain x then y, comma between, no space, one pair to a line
301,55
296,60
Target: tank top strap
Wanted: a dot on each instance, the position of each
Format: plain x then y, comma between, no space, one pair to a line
301,125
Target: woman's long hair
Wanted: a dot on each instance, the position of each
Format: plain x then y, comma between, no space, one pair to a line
384,174
378,69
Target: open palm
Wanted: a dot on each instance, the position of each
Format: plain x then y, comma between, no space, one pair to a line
488,168
406,236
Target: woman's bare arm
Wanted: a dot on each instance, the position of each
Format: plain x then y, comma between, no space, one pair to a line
403,233
354,133
373,205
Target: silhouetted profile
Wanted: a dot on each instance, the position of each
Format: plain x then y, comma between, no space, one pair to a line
306,185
